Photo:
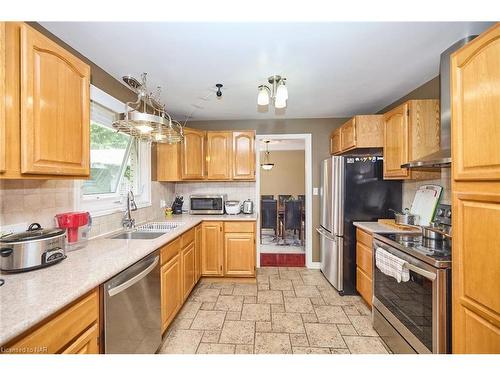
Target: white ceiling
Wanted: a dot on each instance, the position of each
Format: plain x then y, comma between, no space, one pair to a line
333,69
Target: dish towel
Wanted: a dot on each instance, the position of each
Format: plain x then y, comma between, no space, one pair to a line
391,265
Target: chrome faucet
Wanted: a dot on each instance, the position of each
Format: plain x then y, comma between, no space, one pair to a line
128,222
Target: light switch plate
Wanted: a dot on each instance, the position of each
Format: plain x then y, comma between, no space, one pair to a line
316,191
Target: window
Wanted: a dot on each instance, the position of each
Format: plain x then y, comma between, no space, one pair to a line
118,162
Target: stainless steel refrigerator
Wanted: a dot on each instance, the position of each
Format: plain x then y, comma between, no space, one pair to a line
352,189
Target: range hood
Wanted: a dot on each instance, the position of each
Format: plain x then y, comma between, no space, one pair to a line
442,158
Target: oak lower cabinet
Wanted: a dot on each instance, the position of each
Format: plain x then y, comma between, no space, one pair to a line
361,131
239,249
476,195
364,261
188,255
46,119
171,290
411,131
197,252
219,152
73,330
212,248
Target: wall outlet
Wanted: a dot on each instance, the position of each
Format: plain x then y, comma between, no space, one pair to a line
316,191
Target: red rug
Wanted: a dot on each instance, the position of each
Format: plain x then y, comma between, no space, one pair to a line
282,260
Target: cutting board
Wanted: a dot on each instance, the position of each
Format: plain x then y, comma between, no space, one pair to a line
425,202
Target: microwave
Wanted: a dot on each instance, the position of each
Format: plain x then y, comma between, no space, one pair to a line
207,204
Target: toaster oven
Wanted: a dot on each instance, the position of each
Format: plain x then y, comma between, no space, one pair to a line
207,204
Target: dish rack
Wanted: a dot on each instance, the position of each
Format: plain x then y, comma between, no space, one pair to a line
158,226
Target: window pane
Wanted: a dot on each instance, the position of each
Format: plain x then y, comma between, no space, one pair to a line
107,153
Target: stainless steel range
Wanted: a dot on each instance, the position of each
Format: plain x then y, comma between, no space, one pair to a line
414,316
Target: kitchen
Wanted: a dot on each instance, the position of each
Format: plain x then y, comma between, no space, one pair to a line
141,208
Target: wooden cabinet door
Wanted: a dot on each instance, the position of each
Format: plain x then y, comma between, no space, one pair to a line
188,270
193,155
476,269
239,254
86,343
396,148
171,290
335,146
212,249
348,135
165,162
55,108
197,252
475,73
3,152
244,155
219,152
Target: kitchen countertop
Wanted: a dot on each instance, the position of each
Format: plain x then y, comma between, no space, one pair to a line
28,298
376,227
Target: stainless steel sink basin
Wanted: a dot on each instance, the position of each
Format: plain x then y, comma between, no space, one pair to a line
137,235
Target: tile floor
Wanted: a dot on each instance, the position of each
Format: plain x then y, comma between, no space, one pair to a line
288,310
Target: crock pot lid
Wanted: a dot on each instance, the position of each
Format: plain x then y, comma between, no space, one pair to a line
33,234
232,203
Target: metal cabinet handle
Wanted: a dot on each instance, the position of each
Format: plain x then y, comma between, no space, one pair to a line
133,280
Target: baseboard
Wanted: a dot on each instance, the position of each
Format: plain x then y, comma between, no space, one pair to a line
314,265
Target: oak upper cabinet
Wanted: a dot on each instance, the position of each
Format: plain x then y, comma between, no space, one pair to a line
197,252
3,152
219,152
411,131
166,162
171,289
239,249
361,131
47,108
244,155
335,147
475,74
193,155
73,330
212,248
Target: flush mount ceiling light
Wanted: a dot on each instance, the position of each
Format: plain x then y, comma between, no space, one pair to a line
267,165
146,118
277,92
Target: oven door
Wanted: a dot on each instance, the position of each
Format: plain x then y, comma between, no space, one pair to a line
417,309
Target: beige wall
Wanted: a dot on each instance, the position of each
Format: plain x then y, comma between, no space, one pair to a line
287,175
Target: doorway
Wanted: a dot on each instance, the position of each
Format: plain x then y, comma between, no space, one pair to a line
284,200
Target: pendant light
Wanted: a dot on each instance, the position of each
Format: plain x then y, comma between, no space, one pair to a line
267,165
278,92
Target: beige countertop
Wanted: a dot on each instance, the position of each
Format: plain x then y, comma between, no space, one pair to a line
376,227
29,297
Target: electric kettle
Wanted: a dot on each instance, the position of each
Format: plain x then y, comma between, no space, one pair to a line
247,207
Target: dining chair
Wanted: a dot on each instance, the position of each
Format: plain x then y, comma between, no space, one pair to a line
266,197
269,216
293,217
282,198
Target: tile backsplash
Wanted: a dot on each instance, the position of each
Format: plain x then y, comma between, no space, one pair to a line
410,187
28,201
234,190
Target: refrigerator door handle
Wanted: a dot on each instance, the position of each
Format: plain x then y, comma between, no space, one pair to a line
324,233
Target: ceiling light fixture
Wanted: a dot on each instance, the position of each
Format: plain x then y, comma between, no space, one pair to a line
146,118
267,165
277,92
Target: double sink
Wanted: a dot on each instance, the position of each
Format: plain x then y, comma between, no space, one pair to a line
147,231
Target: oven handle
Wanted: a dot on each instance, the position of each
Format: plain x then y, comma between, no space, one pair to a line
427,274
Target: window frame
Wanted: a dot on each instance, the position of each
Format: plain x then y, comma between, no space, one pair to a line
109,203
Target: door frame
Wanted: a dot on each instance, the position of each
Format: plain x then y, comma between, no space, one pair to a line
307,137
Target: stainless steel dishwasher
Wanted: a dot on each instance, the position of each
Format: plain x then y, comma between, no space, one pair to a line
132,316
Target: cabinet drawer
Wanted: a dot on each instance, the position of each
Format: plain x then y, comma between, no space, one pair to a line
86,343
364,258
364,286
63,329
364,237
239,227
170,250
187,238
